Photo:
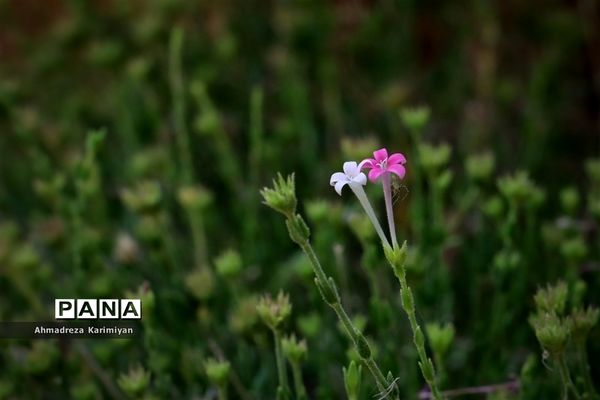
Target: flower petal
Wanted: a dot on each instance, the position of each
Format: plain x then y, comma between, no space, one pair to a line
361,179
351,169
396,158
336,177
339,186
380,155
367,163
398,170
375,173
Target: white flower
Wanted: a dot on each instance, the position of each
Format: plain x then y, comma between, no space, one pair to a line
356,180
351,176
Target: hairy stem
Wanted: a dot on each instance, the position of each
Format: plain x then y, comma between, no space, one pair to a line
355,335
585,369
281,370
426,364
298,383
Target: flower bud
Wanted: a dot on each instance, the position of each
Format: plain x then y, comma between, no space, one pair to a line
440,337
134,382
574,249
217,372
352,380
200,283
282,197
569,200
294,350
552,332
194,197
552,299
144,198
434,158
583,320
274,311
228,264
480,167
415,118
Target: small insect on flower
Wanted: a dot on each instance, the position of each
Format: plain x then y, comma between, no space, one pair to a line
399,191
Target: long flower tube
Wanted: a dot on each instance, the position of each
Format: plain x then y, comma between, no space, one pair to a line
381,168
356,180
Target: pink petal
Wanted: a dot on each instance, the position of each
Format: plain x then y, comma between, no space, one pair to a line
396,158
367,163
398,170
380,155
339,186
375,173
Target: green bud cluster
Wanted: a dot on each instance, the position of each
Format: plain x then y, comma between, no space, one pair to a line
217,371
434,158
440,337
294,350
551,331
135,381
274,312
582,322
552,298
194,198
200,282
518,189
480,167
282,197
143,198
228,264
415,118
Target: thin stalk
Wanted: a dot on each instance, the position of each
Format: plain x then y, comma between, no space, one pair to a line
584,365
182,140
409,308
281,370
366,205
198,237
386,180
223,392
355,335
298,383
565,377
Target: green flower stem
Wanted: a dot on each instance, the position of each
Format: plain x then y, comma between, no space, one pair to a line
584,365
298,383
565,377
355,335
281,370
182,140
408,304
198,238
222,392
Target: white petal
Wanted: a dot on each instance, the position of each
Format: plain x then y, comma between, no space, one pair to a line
351,169
336,177
339,186
360,178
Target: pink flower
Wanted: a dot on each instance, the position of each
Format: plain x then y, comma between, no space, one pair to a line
382,164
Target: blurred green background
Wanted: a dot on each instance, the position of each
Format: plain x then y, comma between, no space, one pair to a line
135,137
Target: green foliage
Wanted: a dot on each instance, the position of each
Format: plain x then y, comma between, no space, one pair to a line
134,141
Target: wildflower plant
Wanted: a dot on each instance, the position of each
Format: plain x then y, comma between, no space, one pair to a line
381,169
